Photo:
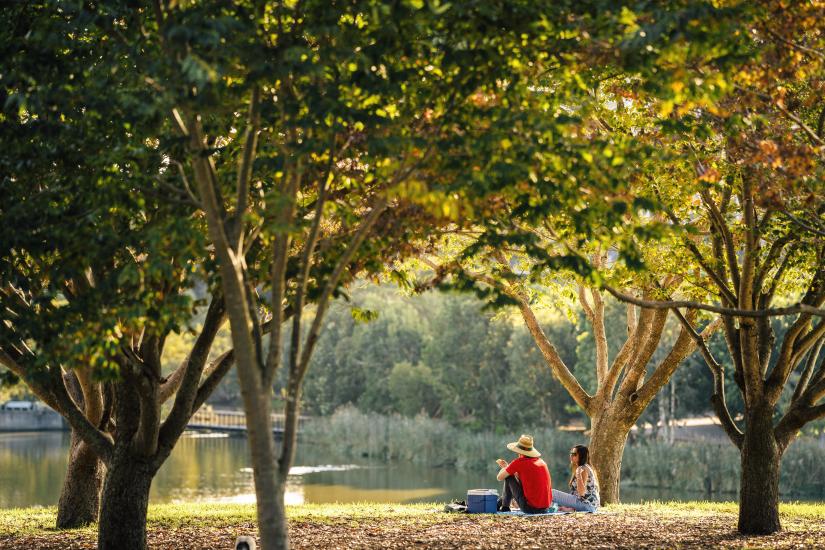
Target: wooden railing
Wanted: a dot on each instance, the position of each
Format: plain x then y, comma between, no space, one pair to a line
233,421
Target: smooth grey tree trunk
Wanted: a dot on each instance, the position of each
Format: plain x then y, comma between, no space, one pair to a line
268,492
280,524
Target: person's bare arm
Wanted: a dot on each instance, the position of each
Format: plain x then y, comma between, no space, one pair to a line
503,473
581,480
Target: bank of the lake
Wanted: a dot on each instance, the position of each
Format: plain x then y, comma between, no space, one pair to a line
651,525
353,457
651,469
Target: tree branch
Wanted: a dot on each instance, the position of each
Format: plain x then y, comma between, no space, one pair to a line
684,346
767,298
807,341
718,279
816,140
773,254
718,398
250,146
795,45
802,223
216,371
181,411
807,372
553,359
734,312
648,343
595,315
794,345
718,221
39,389
286,216
294,386
794,420
66,406
306,257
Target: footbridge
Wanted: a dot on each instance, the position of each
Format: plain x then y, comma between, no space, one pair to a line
232,421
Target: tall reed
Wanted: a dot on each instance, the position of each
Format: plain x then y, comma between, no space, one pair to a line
698,467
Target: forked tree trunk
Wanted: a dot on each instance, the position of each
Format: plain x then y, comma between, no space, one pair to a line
759,491
80,496
607,441
124,505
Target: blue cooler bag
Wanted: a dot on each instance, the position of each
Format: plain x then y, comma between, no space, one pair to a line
482,501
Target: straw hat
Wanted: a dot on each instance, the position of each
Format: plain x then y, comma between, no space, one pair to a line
524,446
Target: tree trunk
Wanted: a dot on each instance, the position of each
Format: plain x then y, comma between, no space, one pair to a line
280,525
607,441
269,494
661,426
671,426
80,496
759,490
124,504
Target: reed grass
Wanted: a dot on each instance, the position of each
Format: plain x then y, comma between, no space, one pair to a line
698,467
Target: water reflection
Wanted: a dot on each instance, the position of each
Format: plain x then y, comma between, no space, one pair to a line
32,466
216,467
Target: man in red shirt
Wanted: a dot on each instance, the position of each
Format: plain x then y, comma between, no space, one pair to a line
526,479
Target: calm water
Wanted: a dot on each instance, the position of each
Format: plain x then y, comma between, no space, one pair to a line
216,468
206,467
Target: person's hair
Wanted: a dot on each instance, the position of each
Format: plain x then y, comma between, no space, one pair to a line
584,454
584,459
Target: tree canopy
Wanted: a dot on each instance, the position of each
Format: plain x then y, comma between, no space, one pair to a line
274,152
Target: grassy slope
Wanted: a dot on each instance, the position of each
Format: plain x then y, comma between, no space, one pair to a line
40,521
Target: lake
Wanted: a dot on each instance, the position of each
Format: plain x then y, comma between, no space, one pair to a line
216,467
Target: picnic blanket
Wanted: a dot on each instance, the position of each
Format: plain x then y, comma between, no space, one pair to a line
520,513
459,507
456,507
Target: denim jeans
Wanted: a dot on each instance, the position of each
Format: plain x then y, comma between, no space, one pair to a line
514,491
571,501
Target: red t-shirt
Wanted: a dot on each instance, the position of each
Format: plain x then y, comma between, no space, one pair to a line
535,480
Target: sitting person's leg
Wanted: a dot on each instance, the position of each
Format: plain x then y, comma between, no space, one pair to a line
566,500
512,491
506,497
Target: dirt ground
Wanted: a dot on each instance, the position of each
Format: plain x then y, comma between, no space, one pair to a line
601,531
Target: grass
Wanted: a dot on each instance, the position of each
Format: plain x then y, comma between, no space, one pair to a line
40,520
653,525
805,510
